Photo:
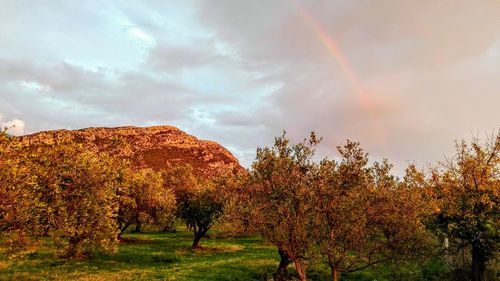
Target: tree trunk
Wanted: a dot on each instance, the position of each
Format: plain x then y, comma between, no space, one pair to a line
196,242
282,274
73,250
137,228
333,268
122,230
478,262
169,229
335,273
300,270
199,232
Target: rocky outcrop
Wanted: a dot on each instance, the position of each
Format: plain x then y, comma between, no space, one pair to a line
150,147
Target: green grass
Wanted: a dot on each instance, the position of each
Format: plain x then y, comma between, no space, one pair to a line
167,256
153,256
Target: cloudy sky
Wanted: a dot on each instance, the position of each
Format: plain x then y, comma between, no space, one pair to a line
405,78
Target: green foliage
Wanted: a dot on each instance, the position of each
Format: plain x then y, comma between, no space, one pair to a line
467,192
200,209
366,216
277,200
63,191
200,202
347,219
350,213
144,198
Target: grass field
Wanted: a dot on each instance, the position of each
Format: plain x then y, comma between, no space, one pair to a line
167,256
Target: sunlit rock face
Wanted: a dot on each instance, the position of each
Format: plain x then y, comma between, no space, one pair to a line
155,147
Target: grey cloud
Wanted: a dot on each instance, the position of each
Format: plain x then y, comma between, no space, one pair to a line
240,72
72,91
58,76
171,58
422,64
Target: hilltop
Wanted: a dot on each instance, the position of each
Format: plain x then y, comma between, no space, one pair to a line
154,147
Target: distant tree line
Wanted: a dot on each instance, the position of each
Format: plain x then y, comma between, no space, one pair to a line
349,213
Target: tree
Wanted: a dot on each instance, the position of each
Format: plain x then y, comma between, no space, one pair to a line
144,198
200,202
200,208
15,206
343,198
353,214
467,188
63,191
178,178
365,216
278,199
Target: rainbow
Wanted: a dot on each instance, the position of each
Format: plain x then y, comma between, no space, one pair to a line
360,90
368,103
331,46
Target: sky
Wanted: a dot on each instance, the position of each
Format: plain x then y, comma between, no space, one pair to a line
404,78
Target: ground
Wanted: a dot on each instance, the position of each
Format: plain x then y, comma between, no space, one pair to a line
164,256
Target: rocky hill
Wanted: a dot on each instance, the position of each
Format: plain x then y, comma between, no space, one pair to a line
150,147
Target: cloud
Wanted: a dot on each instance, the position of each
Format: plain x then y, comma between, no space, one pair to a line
404,78
94,97
167,59
14,127
422,65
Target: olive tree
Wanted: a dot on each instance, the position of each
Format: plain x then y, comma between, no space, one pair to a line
63,191
144,198
467,189
365,215
279,202
200,201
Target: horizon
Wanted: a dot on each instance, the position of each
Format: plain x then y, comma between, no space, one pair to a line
406,80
